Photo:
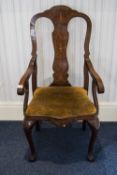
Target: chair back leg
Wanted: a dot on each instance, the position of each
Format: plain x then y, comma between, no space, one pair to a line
28,126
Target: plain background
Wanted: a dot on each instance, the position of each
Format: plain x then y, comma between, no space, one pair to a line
15,44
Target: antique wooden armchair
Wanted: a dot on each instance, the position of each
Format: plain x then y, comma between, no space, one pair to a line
60,103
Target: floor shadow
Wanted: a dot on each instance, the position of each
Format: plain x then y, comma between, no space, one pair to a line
62,145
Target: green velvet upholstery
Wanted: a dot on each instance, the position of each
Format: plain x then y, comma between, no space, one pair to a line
60,103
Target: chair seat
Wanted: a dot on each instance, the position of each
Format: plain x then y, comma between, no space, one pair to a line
60,103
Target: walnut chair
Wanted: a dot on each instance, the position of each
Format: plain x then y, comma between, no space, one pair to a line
60,102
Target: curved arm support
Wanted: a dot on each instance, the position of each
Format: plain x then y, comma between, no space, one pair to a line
94,76
26,96
95,99
25,77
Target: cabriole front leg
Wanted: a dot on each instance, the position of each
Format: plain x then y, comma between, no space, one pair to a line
94,125
28,125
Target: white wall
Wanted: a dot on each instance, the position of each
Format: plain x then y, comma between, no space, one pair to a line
15,45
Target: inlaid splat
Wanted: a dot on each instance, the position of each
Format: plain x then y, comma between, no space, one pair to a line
60,40
60,37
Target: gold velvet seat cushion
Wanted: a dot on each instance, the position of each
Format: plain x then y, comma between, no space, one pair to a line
60,103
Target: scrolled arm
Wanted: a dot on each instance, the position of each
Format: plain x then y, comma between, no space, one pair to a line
95,76
25,77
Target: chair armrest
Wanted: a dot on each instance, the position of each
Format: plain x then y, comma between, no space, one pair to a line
95,76
25,77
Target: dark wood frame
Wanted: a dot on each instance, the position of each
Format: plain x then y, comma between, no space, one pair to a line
60,16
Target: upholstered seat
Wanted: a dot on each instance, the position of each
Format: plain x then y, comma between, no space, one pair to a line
60,103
